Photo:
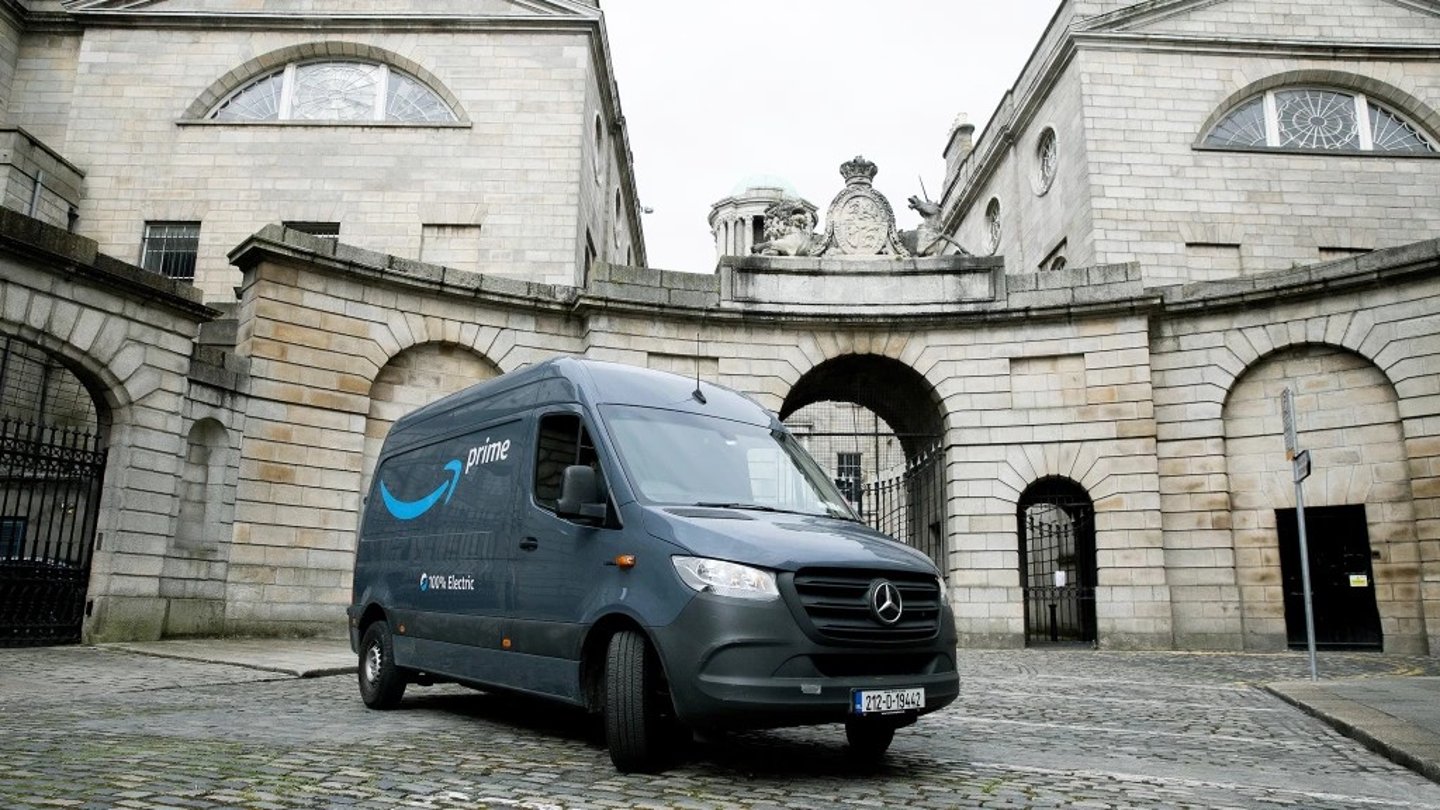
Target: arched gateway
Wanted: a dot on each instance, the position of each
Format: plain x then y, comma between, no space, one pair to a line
52,463
889,466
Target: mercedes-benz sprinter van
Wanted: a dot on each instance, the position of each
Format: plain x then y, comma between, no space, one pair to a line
645,546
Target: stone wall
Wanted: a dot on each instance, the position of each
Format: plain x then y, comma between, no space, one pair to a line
1153,404
509,190
1131,93
1156,194
1222,466
128,335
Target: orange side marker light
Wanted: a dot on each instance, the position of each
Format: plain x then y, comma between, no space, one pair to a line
625,561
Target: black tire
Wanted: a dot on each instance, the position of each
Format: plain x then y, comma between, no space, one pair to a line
869,739
639,722
382,684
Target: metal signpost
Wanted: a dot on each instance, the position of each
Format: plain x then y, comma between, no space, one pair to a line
1300,470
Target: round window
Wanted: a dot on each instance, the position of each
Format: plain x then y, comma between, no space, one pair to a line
1047,158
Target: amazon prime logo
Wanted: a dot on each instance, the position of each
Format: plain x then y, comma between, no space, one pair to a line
884,599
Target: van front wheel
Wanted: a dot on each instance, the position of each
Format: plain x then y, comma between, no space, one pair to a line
635,712
382,684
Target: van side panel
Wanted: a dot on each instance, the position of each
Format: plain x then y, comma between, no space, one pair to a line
438,539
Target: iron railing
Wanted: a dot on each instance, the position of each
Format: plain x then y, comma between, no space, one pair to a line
908,503
50,479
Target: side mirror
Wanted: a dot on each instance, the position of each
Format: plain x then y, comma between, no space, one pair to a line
580,495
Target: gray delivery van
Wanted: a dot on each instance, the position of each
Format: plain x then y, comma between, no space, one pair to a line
645,546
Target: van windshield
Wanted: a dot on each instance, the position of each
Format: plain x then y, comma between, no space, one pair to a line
691,459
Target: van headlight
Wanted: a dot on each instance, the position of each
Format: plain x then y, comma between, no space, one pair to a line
726,578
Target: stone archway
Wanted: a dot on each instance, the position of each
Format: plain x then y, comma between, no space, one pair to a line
53,439
417,376
1058,570
889,462
1347,417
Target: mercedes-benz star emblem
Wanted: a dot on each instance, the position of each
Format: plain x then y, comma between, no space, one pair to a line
885,601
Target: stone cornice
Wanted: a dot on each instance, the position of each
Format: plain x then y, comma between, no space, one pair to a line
1374,269
14,13
1153,11
1246,46
328,23
619,133
277,243
74,255
1071,294
992,144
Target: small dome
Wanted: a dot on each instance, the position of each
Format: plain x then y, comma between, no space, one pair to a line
767,182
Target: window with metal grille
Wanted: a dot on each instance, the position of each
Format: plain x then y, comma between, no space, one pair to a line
847,475
12,537
170,249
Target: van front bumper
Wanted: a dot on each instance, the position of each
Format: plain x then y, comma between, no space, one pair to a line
735,663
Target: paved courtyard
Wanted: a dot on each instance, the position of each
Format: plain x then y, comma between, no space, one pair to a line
92,728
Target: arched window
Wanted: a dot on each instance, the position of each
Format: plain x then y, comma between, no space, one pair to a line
992,224
334,90
1317,119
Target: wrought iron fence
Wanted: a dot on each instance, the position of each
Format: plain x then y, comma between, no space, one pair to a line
907,503
50,480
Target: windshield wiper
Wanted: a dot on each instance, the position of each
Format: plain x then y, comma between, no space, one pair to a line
757,507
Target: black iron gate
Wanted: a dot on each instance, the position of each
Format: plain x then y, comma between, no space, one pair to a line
908,504
1057,562
50,480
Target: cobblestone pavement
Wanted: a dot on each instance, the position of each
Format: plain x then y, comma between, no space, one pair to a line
93,728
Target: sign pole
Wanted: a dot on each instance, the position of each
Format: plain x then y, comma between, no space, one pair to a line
1300,470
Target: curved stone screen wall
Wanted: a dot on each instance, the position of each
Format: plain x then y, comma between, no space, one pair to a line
1347,418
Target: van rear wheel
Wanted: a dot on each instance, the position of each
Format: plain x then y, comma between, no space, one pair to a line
638,716
382,684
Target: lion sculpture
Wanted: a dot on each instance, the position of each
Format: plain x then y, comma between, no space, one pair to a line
789,230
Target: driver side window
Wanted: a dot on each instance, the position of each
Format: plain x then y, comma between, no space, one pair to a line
562,441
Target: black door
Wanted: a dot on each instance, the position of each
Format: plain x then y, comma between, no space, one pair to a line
1342,583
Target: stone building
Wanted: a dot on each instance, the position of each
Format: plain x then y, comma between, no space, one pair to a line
1180,210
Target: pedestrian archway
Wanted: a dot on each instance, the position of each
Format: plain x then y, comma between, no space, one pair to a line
52,464
876,425
1057,562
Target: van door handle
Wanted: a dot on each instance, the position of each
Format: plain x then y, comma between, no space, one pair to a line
529,544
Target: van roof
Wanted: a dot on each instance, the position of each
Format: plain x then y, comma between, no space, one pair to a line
577,379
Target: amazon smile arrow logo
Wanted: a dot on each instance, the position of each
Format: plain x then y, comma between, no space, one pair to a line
409,510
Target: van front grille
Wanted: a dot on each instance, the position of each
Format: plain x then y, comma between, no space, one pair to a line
836,600
870,664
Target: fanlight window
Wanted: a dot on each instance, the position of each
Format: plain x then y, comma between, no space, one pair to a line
1320,120
335,91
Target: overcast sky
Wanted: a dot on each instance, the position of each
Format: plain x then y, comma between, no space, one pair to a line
713,93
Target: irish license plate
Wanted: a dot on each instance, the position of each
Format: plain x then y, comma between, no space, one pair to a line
887,701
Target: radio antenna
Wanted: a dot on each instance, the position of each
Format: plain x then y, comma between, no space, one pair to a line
923,192
697,394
